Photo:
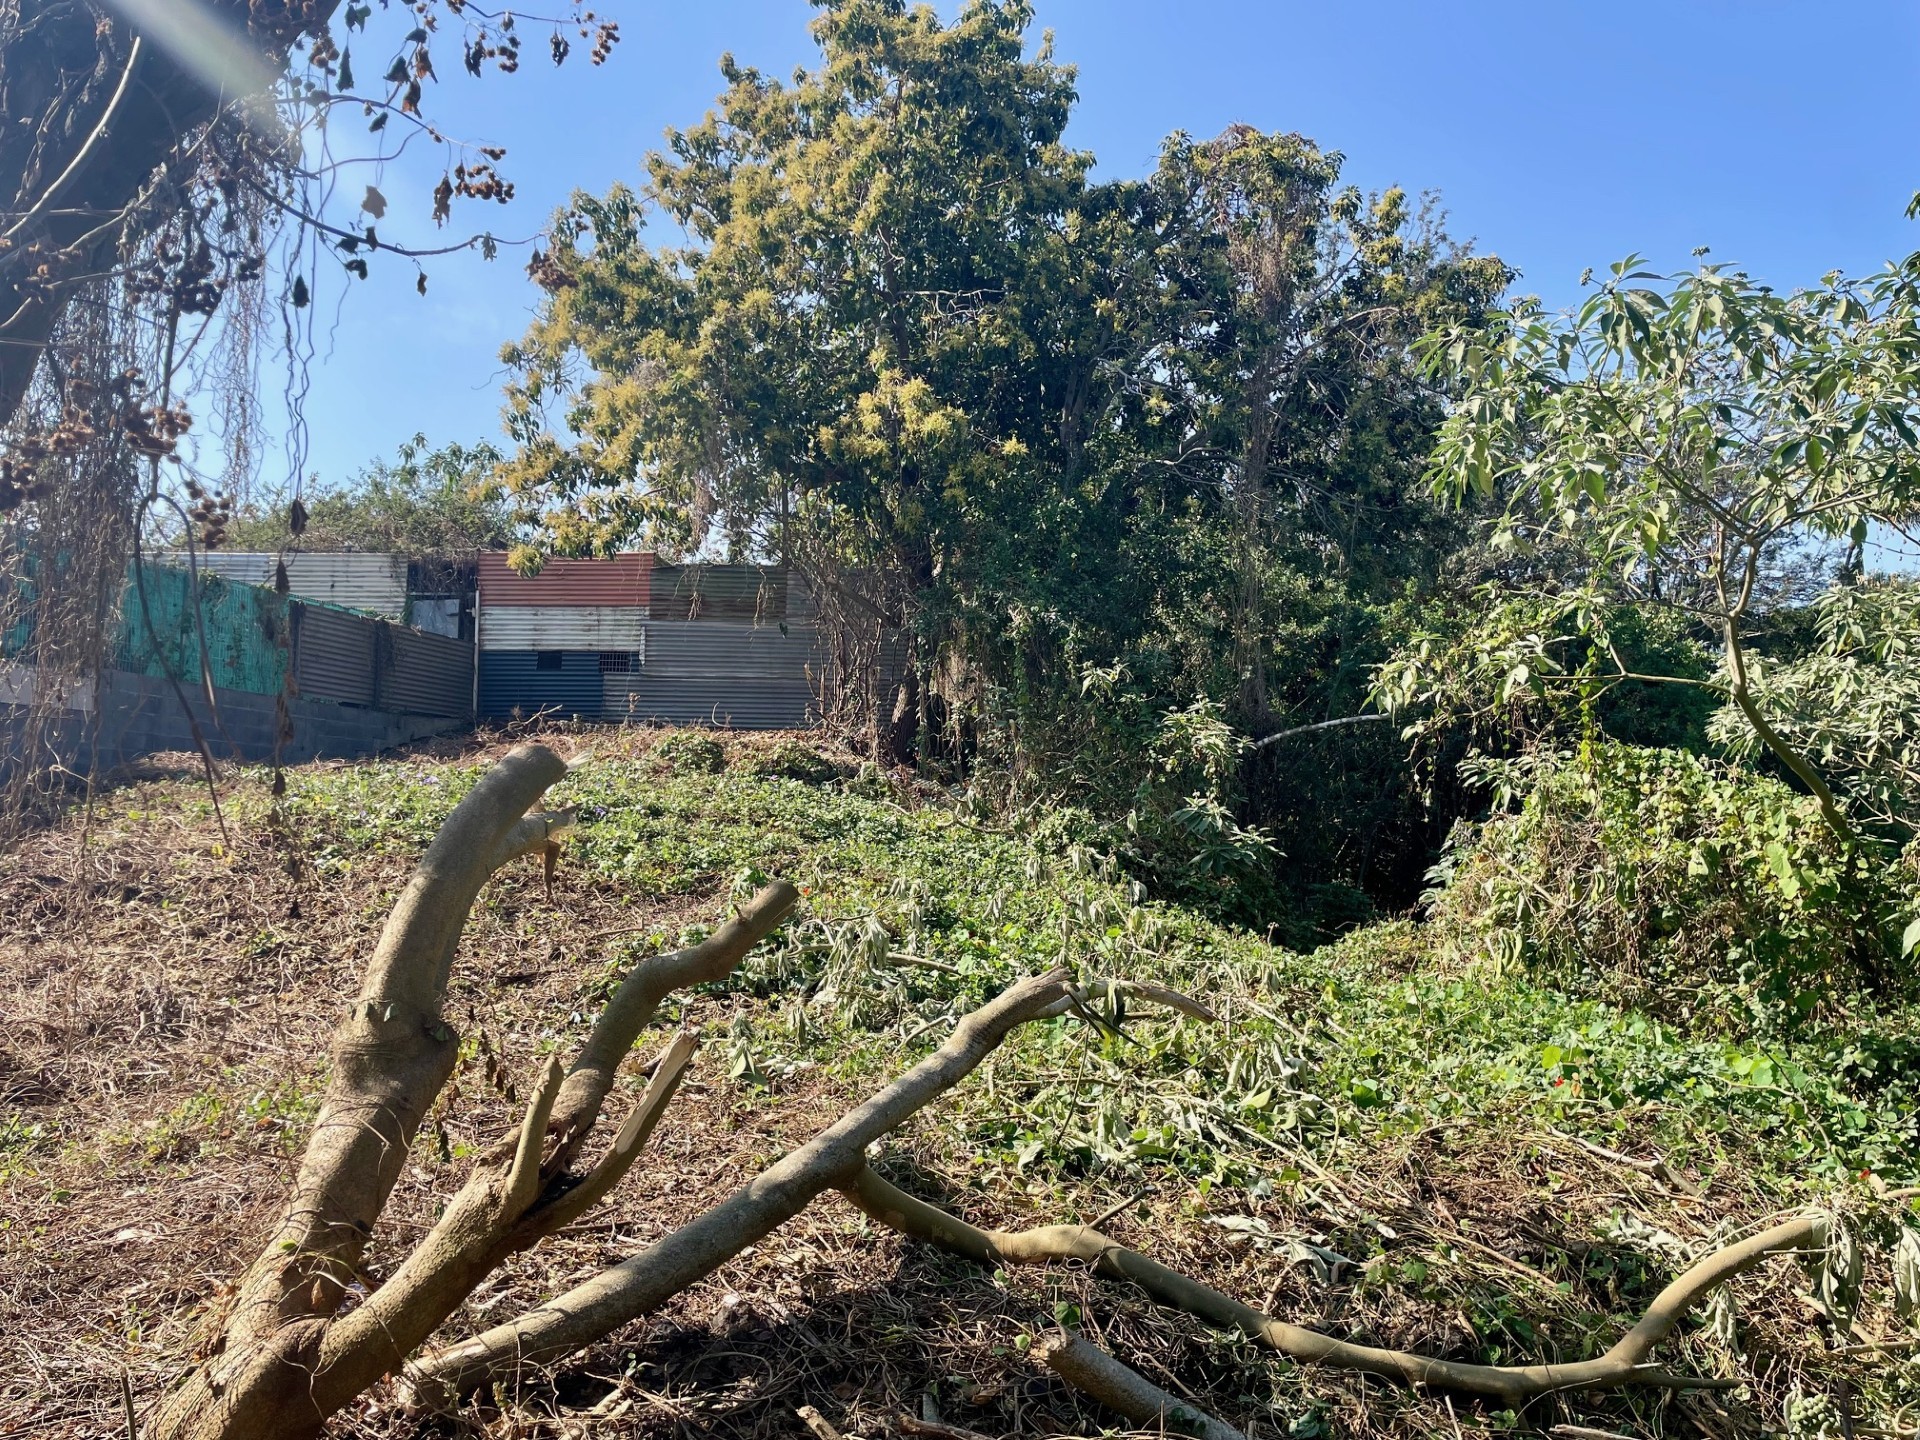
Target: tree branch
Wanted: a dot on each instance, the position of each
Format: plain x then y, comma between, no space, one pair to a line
1089,1369
638,1285
1625,1364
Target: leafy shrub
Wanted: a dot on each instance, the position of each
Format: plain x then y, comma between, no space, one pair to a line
687,752
792,760
1702,883
1851,701
1182,833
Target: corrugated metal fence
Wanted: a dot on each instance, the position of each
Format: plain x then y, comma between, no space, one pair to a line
375,583
625,639
251,632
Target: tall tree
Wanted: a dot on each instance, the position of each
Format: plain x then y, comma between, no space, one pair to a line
849,347
1677,446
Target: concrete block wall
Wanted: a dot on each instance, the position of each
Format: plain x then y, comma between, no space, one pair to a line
138,715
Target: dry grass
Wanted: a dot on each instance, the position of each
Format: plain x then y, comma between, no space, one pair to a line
166,999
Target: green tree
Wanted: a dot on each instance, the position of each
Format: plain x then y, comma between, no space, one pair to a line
846,350
1696,445
440,504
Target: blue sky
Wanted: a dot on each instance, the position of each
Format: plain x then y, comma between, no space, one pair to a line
1559,135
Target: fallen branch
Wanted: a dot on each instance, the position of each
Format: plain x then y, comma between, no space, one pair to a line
633,1004
391,1057
1157,994
647,1280
511,1205
1089,1369
283,1359
935,1429
1627,1363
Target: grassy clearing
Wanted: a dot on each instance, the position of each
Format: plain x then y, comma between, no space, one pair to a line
1449,1158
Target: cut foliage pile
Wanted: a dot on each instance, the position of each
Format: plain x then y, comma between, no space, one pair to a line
1438,1158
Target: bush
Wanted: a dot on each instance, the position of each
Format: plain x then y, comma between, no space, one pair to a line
1702,884
687,752
792,760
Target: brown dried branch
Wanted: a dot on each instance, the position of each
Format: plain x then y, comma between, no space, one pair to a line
644,1282
496,1214
391,1057
1627,1363
1089,1369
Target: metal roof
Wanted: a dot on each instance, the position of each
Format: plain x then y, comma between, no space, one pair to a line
618,580
375,582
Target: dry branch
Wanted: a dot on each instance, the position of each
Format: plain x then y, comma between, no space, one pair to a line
1089,1369
391,1056
496,1214
1627,1363
633,1004
283,1362
594,1309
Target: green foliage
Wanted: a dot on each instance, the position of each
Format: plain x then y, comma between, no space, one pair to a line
1851,700
688,752
790,759
1714,892
1378,1036
429,504
1693,446
1036,427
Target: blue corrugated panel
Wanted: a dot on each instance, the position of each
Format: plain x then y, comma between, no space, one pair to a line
512,681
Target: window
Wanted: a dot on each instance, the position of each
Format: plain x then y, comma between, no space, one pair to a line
618,662
548,659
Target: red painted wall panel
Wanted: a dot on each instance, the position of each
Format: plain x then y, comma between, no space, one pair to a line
618,580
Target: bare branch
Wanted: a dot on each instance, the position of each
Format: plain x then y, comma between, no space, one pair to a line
833,1157
1627,1363
523,1176
640,994
1089,1369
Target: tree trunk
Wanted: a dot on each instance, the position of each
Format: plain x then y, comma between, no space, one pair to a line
392,1054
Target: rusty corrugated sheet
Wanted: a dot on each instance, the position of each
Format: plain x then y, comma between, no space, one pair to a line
618,580
753,593
333,655
563,627
356,580
426,674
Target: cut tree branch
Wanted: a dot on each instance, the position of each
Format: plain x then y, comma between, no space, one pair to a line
1627,1363
392,1055
594,1309
1089,1369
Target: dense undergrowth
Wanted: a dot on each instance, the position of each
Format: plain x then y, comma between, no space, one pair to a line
1397,1031
1399,1137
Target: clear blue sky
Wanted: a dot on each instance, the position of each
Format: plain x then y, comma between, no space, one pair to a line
1559,135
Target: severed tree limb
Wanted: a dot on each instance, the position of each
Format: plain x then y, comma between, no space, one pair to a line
1158,994
647,1280
1627,1363
498,1212
391,1057
1089,1369
491,1218
671,1069
534,834
633,1004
